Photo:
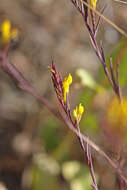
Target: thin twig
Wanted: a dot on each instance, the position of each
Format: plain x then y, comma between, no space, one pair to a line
89,159
12,71
112,74
90,163
118,82
93,21
99,20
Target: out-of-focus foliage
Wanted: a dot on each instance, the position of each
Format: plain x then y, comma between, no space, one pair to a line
49,132
45,172
86,78
77,174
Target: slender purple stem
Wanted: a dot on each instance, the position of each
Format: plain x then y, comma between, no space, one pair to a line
98,50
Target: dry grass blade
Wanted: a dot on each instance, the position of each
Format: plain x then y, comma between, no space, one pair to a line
123,2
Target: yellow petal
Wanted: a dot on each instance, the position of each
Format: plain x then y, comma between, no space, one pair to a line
5,31
93,3
66,83
69,79
80,109
75,113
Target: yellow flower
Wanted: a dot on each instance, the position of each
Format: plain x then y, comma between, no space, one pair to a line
93,3
66,84
77,113
7,34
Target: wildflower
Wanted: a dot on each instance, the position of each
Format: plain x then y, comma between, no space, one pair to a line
7,34
66,83
77,113
93,3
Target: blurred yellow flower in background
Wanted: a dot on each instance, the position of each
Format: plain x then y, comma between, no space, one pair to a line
117,113
7,33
